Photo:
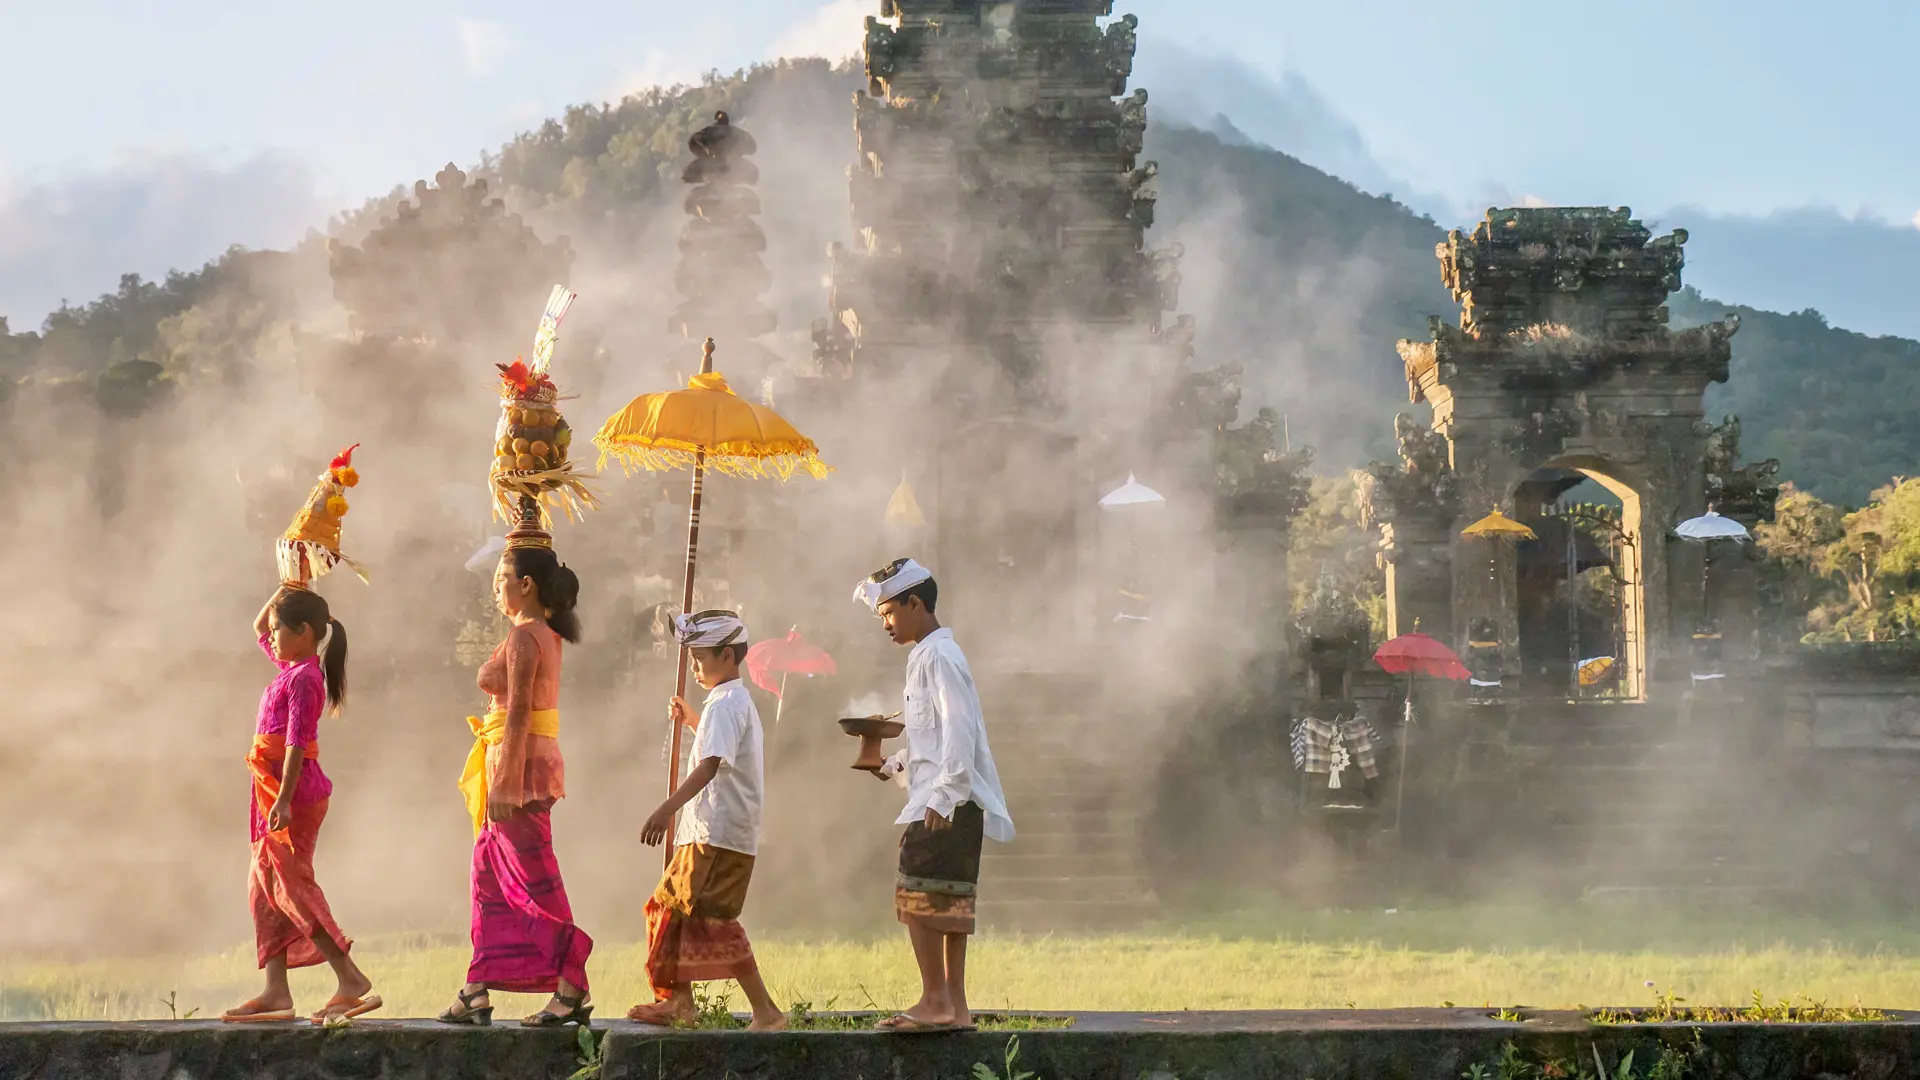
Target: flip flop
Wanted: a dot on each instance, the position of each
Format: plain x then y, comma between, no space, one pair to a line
657,1014
273,1016
347,1009
902,1024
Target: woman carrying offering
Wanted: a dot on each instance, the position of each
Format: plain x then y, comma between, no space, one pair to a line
292,924
524,939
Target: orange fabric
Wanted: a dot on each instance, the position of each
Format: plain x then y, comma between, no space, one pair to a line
689,949
269,753
935,911
693,926
289,910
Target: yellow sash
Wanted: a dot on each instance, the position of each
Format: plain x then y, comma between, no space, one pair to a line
491,732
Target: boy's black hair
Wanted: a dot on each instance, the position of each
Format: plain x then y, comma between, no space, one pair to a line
737,648
928,591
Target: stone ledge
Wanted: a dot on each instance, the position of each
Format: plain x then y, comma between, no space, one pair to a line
1418,1044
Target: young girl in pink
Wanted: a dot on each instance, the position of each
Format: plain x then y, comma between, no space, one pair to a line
292,925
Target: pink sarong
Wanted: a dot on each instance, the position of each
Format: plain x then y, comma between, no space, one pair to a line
524,940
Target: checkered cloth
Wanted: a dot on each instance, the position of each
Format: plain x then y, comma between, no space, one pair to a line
1313,742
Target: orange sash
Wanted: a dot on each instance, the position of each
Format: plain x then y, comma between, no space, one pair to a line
267,755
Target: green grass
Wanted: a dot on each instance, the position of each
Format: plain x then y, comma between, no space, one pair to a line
1476,956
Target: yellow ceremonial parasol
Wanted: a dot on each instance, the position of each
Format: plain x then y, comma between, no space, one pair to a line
706,426
1498,526
1595,671
903,509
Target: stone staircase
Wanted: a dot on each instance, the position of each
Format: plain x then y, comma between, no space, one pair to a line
1624,799
1076,862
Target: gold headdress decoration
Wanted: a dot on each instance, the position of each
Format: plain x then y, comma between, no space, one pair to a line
311,545
531,472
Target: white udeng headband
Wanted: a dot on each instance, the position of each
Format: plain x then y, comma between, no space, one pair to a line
889,582
709,630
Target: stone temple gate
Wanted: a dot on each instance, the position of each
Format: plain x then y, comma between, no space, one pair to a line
1562,370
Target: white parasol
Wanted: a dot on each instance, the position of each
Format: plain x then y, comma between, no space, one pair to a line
488,554
1711,526
1132,493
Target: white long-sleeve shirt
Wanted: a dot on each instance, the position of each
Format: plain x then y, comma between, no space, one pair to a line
947,760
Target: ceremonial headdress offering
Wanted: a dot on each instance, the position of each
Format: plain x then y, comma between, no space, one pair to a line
311,545
709,630
890,581
531,471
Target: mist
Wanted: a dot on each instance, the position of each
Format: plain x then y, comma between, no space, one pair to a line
142,548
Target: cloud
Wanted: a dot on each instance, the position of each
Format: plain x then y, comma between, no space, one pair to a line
1916,219
834,31
1857,270
1232,98
656,68
485,45
71,237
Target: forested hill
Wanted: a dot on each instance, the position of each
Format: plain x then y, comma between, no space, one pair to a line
1293,273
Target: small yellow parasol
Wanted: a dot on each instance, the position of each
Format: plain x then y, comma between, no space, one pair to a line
1594,671
706,426
1498,526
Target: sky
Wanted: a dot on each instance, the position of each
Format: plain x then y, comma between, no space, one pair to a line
136,130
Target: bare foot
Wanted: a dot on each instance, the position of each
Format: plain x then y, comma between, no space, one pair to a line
662,1013
263,1005
773,1022
963,1018
353,988
910,1021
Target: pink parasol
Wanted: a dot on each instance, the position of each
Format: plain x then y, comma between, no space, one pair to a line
791,655
1415,654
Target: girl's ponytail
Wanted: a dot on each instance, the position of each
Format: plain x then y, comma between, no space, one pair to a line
300,607
334,665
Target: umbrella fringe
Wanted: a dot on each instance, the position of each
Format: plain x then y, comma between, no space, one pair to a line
776,461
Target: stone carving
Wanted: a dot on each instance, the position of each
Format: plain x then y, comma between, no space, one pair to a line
832,348
1253,478
1142,193
1591,270
721,275
1421,483
451,266
1207,399
1118,48
1543,434
1747,493
1133,122
882,55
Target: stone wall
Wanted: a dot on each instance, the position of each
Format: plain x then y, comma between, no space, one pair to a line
1415,1044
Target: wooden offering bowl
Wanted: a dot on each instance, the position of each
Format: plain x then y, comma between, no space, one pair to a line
871,730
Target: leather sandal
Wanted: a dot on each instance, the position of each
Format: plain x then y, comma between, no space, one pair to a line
578,1012
481,1017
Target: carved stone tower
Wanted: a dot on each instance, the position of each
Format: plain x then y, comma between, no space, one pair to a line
721,275
1561,371
1000,268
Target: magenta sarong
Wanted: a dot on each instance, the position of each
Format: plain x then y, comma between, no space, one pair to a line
524,940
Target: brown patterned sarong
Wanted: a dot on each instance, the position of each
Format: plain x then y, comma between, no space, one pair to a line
940,872
693,928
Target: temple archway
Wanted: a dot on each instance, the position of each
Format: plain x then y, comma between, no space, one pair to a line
1579,586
